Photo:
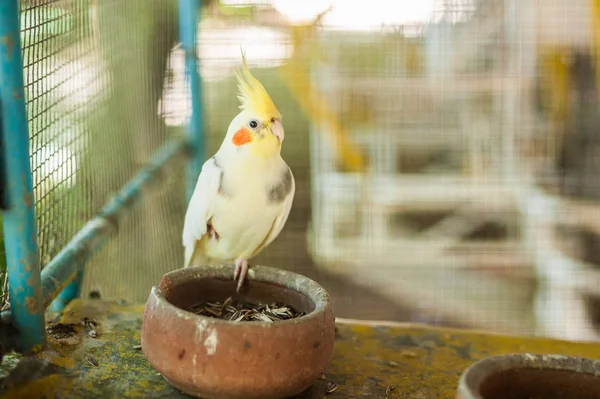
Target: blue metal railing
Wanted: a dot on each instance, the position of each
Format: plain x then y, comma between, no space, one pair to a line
70,292
31,291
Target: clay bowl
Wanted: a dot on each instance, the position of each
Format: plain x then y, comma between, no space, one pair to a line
213,358
527,376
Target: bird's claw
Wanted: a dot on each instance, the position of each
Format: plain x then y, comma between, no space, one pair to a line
241,269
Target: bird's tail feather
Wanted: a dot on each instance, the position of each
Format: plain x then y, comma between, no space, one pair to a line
189,252
194,257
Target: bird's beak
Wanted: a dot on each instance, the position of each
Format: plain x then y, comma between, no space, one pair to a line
277,129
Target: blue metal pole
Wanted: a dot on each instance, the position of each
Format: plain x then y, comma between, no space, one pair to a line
189,11
20,232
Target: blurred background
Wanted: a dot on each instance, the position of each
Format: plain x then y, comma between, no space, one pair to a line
444,151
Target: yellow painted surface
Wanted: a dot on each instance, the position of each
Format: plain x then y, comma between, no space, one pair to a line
422,362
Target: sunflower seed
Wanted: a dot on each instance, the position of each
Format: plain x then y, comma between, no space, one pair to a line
91,361
331,387
389,390
236,311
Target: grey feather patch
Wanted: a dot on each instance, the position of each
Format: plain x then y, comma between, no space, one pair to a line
279,192
221,189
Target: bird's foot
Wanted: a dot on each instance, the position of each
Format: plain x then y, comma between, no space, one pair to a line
241,269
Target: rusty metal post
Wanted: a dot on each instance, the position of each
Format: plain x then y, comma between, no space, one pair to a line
18,217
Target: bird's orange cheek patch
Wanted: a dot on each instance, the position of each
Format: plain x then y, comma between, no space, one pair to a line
241,137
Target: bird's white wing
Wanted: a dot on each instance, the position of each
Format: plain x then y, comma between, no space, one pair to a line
280,219
200,207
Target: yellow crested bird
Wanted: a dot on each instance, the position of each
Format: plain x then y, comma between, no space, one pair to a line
245,191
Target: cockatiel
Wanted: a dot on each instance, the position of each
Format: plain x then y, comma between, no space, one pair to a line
244,193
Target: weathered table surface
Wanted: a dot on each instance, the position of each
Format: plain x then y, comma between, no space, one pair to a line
418,362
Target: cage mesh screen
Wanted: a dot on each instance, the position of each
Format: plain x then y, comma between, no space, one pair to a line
105,89
477,206
459,110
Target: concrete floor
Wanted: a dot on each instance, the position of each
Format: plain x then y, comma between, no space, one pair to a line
370,360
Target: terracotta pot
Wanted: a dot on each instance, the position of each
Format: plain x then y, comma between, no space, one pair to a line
521,376
213,358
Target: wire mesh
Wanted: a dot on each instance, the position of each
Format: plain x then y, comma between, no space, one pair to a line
451,221
104,90
477,206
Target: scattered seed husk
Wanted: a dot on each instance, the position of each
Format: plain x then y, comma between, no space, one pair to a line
91,361
389,390
237,311
331,387
90,327
95,294
407,353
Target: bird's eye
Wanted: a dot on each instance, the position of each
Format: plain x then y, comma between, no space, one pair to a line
253,124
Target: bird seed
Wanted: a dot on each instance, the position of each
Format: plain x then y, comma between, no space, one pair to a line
234,310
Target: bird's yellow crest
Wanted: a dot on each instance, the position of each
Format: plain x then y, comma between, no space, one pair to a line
253,95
